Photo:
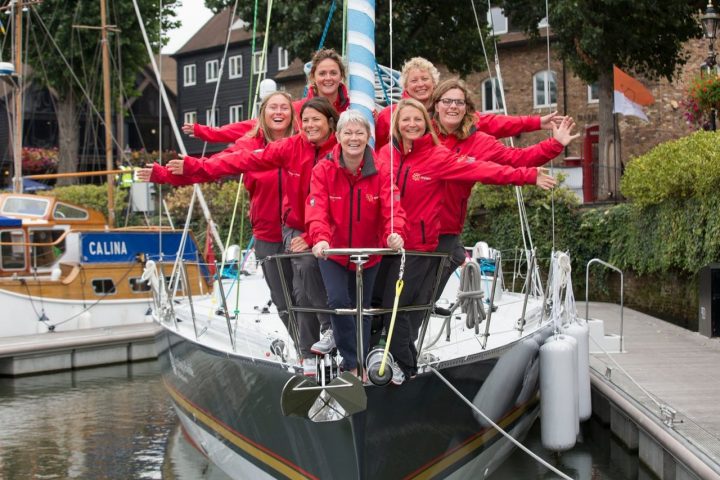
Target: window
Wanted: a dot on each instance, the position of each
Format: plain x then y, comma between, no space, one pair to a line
212,118
491,97
593,93
236,113
257,68
32,207
282,59
235,66
497,20
545,89
12,257
103,286
138,285
189,75
63,210
42,256
190,117
212,67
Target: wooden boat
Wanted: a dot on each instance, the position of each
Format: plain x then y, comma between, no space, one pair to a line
62,269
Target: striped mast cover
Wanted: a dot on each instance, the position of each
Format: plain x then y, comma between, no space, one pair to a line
361,57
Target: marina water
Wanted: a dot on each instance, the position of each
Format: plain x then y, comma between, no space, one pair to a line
118,423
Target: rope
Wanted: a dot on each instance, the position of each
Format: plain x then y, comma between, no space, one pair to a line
382,83
496,426
252,61
552,160
327,26
470,294
263,58
392,165
399,284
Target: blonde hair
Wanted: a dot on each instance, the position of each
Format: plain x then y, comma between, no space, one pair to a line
468,121
325,54
262,123
418,63
411,102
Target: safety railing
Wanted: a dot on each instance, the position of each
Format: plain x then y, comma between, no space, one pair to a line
622,293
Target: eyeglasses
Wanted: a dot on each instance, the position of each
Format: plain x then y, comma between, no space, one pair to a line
449,101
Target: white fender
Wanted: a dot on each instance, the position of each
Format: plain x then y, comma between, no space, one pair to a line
558,403
581,333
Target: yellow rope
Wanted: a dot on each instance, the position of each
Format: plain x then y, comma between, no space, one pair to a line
399,284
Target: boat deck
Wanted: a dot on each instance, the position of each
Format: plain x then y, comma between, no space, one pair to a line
677,367
48,352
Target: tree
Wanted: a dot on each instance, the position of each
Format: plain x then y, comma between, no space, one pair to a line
641,36
81,48
448,36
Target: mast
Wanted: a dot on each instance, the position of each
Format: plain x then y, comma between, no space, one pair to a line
361,56
17,139
108,113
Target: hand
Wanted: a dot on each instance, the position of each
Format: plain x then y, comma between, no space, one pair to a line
544,179
189,129
298,244
395,241
143,174
319,248
175,166
547,121
563,132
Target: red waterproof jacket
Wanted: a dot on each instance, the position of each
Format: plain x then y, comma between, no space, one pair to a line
225,134
420,174
485,147
265,188
341,104
351,211
498,126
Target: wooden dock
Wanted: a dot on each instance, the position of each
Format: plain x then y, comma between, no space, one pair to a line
661,395
58,351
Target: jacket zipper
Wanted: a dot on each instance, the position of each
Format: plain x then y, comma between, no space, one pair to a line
422,230
280,193
359,203
404,184
352,190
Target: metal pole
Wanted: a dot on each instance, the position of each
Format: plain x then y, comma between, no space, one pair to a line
17,141
359,260
498,260
107,115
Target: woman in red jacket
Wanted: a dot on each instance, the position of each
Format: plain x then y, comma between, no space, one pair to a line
419,78
454,118
349,206
275,122
419,167
327,74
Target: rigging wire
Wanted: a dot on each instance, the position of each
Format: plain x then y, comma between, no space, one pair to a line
552,160
391,147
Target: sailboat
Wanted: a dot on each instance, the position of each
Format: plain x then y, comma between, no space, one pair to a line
62,266
237,384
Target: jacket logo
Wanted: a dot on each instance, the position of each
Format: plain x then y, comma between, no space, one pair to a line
334,198
371,198
293,173
312,202
466,159
417,177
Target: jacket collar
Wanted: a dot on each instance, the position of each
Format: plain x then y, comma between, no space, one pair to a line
423,143
368,167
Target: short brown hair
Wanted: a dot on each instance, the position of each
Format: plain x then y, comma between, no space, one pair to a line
322,105
324,54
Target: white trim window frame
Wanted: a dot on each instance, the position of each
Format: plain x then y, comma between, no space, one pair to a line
497,21
235,69
283,59
190,117
236,113
189,75
210,119
544,89
212,71
593,93
256,63
492,103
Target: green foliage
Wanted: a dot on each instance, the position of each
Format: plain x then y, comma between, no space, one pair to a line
676,170
592,35
221,199
91,196
446,35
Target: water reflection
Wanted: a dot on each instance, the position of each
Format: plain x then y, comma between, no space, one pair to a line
118,423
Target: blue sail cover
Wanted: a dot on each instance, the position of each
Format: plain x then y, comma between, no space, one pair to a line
112,247
10,222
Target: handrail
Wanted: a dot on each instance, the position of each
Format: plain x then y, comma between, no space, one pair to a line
34,244
622,293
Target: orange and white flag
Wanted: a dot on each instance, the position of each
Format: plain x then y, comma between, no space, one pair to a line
630,95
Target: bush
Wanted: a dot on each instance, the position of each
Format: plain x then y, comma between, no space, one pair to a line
91,196
679,169
220,197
